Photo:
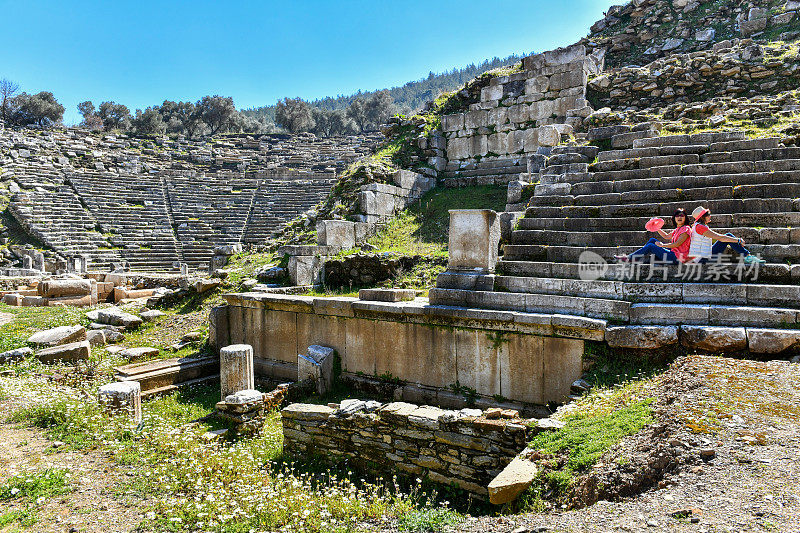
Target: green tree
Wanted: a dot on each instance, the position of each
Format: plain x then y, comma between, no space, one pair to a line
115,116
217,112
148,122
378,108
357,112
182,118
91,119
294,114
42,109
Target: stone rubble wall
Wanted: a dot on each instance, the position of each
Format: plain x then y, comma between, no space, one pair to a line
379,202
516,112
743,68
462,448
641,31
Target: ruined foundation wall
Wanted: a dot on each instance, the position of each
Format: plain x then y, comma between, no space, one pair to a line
449,447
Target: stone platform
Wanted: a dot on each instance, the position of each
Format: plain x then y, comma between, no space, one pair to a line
528,358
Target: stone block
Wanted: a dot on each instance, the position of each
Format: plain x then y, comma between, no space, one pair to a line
478,146
476,119
305,270
137,354
12,299
474,239
498,116
75,351
518,113
453,122
236,368
96,337
117,317
13,356
537,85
55,288
336,233
457,148
548,136
515,141
512,481
641,337
59,335
497,143
124,397
713,339
307,412
492,92
317,364
772,340
387,295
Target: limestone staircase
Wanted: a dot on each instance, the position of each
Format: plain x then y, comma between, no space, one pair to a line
280,200
752,187
130,208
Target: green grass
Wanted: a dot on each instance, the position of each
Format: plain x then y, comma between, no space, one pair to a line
28,320
599,421
31,490
429,520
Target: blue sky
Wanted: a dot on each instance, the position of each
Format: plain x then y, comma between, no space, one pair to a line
141,53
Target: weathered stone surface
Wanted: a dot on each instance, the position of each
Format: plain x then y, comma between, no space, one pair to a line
117,317
387,295
772,340
304,411
474,239
96,337
74,351
713,339
317,364
205,285
512,481
18,354
65,287
59,335
641,337
150,315
142,352
339,233
122,397
236,369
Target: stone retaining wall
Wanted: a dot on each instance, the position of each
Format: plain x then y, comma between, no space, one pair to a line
462,448
524,357
513,109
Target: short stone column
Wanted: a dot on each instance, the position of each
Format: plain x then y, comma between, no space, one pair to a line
236,369
122,397
27,262
317,364
474,239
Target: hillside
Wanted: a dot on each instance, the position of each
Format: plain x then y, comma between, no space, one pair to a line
409,97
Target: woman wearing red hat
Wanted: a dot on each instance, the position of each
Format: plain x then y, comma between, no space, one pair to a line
703,246
678,247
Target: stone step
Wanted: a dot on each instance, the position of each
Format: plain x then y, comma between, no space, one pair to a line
632,238
723,206
680,182
767,221
781,273
775,253
620,311
693,139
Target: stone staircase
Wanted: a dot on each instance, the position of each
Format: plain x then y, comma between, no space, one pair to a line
131,209
496,171
581,205
280,200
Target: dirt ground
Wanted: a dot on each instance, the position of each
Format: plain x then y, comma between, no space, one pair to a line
98,501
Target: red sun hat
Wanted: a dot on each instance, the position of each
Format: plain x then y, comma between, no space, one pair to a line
654,224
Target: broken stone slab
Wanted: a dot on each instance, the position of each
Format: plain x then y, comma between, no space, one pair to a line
75,351
12,356
474,239
96,337
56,288
772,340
59,335
387,295
205,285
141,352
512,481
713,338
641,337
149,316
317,364
350,407
117,317
305,411
123,397
236,371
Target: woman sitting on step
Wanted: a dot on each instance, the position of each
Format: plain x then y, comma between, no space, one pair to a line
678,247
703,248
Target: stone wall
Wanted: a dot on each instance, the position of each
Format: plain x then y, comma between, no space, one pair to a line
380,201
364,269
740,68
523,357
463,448
643,30
515,112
